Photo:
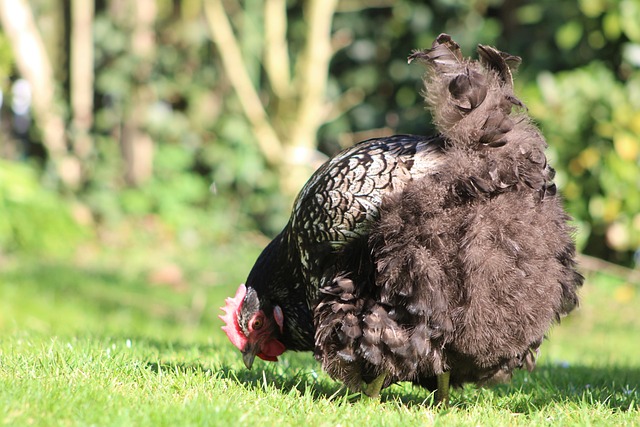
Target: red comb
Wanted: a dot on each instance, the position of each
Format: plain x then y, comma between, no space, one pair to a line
230,318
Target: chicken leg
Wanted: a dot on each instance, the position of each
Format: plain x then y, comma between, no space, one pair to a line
374,387
442,393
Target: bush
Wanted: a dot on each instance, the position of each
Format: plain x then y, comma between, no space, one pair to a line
592,122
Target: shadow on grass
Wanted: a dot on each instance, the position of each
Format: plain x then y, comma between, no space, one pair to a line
613,387
307,382
266,379
297,371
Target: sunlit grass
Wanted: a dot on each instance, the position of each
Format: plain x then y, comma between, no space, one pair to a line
96,346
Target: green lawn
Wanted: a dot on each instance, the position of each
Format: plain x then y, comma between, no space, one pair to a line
93,343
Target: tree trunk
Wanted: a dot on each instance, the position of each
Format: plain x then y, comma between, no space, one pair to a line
82,76
286,135
35,66
137,145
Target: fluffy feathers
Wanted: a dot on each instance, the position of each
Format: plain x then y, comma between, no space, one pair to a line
407,257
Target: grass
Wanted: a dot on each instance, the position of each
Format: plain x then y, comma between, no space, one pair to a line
93,343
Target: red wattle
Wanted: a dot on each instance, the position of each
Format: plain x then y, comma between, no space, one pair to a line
270,350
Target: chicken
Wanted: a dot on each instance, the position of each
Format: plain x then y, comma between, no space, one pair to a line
437,260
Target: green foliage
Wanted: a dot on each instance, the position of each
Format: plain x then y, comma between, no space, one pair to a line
172,193
32,218
209,175
579,78
592,123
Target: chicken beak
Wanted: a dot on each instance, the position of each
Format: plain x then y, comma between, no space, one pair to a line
249,354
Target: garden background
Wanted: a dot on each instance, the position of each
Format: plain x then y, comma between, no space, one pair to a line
150,149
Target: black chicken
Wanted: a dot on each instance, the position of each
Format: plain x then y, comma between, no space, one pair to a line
436,260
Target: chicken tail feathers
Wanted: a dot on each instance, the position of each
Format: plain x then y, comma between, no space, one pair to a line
471,100
444,52
502,63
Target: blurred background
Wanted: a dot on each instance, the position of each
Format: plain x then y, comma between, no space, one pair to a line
167,137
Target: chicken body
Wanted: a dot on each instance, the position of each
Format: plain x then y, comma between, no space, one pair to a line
409,258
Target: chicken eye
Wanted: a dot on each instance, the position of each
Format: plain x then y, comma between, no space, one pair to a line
257,324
